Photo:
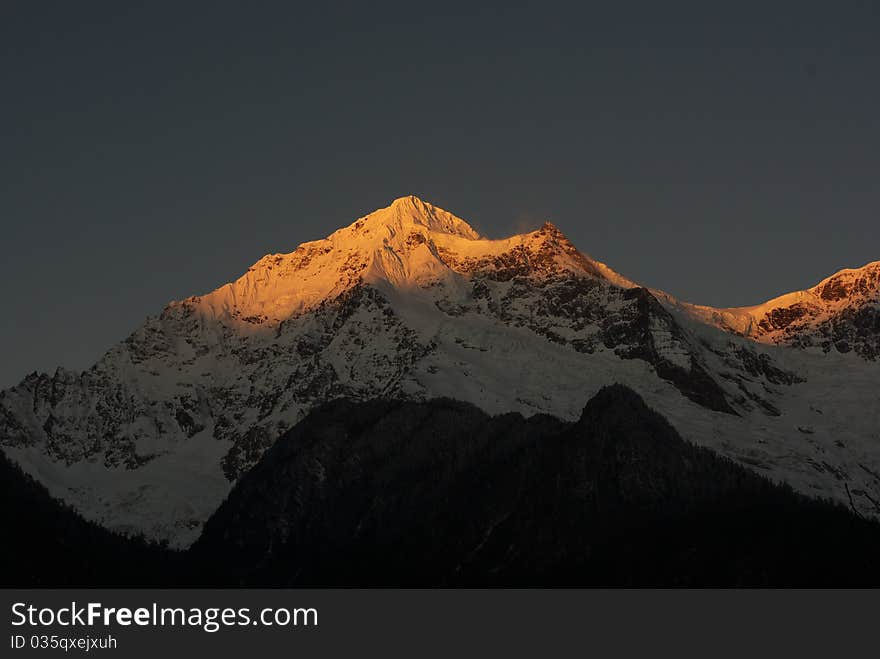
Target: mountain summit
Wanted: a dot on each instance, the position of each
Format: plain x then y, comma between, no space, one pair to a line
408,211
410,244
410,302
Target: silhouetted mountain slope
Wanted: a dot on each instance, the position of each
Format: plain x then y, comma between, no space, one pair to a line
392,493
47,544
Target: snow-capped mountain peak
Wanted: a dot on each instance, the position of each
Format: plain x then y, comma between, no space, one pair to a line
410,301
410,211
840,313
850,284
394,243
409,244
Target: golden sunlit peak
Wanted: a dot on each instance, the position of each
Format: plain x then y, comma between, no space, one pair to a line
549,227
409,200
411,210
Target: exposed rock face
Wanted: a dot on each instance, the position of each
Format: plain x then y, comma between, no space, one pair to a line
410,302
841,314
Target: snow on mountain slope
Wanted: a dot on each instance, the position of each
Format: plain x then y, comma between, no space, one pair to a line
840,313
410,301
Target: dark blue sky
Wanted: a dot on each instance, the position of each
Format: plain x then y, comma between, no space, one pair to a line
723,153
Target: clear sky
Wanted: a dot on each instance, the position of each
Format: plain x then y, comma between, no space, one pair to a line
725,152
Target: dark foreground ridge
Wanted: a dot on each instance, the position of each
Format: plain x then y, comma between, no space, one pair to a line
46,544
392,493
389,493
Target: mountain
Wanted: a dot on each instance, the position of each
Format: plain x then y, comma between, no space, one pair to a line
394,493
46,544
438,493
410,302
840,313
